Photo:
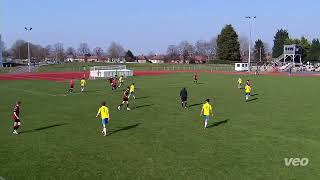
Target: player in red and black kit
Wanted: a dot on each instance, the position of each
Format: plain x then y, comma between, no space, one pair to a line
195,78
16,117
71,85
114,84
125,99
110,79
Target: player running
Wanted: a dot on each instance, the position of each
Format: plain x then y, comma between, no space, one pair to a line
105,117
248,91
114,84
120,81
16,117
132,87
239,83
82,84
110,79
71,85
206,111
125,99
184,97
195,78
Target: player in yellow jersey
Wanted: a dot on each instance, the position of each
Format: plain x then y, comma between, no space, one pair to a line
132,87
120,81
206,111
248,91
239,83
82,84
105,117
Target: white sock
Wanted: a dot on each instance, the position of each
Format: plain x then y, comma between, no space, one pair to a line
105,131
205,124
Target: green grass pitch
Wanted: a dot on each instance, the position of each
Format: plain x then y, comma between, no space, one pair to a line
157,139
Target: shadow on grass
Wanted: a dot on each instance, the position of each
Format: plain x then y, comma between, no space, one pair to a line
143,97
218,123
254,95
254,99
142,106
199,83
43,128
196,104
125,128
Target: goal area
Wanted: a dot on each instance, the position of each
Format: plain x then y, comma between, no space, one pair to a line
109,71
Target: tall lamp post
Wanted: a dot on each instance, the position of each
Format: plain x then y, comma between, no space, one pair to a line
28,29
250,18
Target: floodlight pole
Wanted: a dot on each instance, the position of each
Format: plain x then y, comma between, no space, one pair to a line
29,60
250,18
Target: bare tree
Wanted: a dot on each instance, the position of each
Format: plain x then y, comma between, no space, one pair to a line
115,50
98,51
48,51
59,52
83,49
71,52
244,47
151,53
19,49
172,52
186,50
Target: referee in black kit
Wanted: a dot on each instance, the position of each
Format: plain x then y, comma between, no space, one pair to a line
184,97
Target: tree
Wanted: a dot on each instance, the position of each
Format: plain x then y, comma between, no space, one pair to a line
48,50
259,51
314,53
186,50
129,56
279,40
228,47
59,52
71,52
172,52
19,49
305,44
116,50
244,47
98,51
205,48
84,49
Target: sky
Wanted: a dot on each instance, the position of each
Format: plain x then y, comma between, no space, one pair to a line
151,25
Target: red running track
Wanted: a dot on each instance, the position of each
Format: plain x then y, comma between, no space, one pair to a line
63,76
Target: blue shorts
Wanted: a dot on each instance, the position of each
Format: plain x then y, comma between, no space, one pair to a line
247,94
105,121
206,118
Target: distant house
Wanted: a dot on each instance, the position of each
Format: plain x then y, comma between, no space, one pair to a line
92,59
142,59
157,59
200,59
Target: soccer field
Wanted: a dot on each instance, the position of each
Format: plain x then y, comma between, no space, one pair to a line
61,138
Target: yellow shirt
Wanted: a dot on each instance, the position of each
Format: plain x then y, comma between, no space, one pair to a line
239,80
207,108
104,112
248,89
82,82
132,88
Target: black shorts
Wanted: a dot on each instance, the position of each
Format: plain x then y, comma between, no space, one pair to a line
184,99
